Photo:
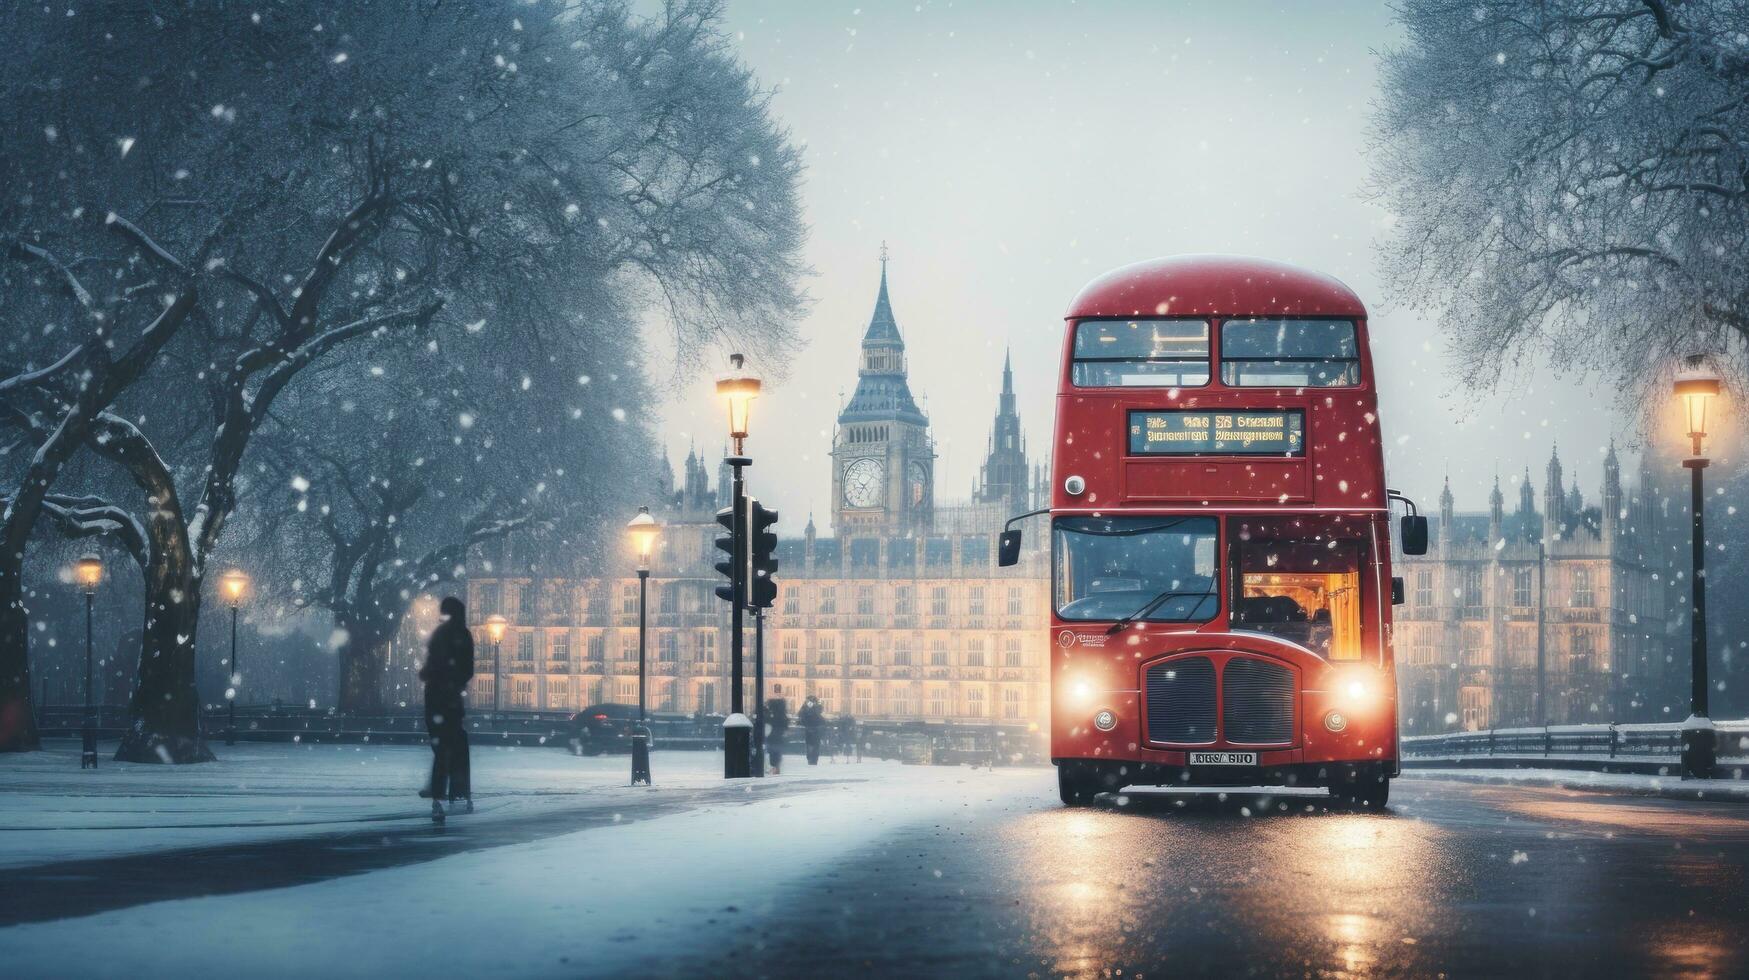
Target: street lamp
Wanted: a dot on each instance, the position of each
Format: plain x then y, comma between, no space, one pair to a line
234,584
495,629
89,572
642,530
1697,385
739,389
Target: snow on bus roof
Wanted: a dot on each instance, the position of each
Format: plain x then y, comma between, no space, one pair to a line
1214,285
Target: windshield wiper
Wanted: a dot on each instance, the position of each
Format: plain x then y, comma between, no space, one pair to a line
1153,604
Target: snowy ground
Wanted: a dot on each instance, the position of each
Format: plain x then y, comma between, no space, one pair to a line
577,903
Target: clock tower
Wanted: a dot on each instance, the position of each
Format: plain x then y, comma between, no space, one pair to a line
883,461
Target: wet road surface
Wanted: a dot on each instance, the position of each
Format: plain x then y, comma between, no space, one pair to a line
1456,879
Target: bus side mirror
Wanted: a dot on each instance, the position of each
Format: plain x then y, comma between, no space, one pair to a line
1008,548
1414,534
1398,596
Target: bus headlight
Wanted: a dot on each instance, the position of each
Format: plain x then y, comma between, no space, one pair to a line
1357,690
1336,721
1075,486
1105,720
1080,692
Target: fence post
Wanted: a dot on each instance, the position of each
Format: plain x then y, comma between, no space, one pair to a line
1548,742
1490,742
1612,735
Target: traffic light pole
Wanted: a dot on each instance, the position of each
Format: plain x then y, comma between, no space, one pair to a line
758,691
737,741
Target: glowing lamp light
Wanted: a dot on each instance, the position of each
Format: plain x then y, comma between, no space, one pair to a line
642,530
1696,385
738,389
1081,692
235,584
88,571
495,625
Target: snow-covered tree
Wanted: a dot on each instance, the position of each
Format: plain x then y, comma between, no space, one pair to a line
1567,179
368,176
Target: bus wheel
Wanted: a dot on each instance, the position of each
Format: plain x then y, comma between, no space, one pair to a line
1075,787
1367,792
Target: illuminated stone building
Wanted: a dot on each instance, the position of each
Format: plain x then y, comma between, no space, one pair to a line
900,614
1587,583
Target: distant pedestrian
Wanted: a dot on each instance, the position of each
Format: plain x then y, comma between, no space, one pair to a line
449,665
776,726
847,736
813,719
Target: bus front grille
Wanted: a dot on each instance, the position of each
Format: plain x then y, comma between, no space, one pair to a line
1181,701
1257,702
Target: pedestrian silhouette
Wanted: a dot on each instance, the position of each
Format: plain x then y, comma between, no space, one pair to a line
847,737
813,719
449,665
776,726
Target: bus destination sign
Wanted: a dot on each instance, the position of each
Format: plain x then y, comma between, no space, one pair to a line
1273,432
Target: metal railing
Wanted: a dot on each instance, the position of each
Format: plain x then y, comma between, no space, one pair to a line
1653,748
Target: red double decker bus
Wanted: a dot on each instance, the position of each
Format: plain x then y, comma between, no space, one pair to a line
1220,536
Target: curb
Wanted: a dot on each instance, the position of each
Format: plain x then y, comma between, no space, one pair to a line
1712,791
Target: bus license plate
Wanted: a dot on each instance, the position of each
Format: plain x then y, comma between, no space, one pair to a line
1223,758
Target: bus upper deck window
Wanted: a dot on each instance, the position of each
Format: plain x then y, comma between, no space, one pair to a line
1141,354
1283,353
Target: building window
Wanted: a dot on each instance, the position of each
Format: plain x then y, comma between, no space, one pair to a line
667,647
1521,585
975,703
828,600
865,651
707,647
1582,653
597,607
707,698
903,601
1012,656
938,601
975,652
828,651
559,693
1424,588
626,692
938,653
597,648
1582,597
862,700
1011,703
901,652
792,649
975,600
489,603
1471,593
1016,601
525,646
628,600
792,603
865,600
560,647
525,607
938,702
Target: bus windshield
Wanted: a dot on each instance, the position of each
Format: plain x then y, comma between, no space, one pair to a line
1108,568
1306,592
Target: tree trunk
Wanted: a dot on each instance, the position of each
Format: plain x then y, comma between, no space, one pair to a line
17,720
164,715
363,658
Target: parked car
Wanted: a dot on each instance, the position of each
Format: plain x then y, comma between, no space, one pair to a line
602,728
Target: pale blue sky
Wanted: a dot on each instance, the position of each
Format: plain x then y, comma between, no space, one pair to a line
1008,152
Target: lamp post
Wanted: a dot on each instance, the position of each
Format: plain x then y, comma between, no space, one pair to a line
89,571
642,529
495,629
738,389
1696,386
234,583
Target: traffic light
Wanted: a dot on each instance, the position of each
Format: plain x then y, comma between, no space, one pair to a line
726,543
761,541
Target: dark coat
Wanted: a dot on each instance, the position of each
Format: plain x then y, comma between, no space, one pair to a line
449,664
812,717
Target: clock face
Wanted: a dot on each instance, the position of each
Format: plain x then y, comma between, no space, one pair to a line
862,482
919,483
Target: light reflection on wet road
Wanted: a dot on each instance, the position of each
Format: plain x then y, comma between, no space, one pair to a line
1456,879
